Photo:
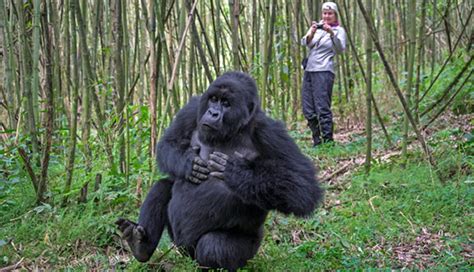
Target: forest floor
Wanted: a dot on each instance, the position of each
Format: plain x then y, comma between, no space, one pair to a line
404,214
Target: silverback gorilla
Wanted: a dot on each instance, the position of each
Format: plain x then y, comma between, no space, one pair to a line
228,166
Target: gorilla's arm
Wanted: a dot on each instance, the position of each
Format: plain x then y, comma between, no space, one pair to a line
174,153
281,178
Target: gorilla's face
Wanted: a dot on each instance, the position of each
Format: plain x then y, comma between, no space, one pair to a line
226,108
218,107
223,115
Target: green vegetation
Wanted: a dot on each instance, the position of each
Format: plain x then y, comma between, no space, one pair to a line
395,217
88,87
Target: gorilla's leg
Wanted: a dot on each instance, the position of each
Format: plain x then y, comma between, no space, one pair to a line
144,236
226,249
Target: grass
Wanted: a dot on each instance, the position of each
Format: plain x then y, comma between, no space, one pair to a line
398,216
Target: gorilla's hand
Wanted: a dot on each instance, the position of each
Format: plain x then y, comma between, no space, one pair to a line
200,171
217,162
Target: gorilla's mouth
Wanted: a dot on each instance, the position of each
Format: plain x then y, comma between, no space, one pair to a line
207,126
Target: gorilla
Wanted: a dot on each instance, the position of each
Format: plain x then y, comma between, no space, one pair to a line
228,165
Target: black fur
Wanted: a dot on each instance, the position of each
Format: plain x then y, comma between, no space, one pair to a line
220,221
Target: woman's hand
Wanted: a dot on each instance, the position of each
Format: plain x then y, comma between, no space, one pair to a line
314,26
328,29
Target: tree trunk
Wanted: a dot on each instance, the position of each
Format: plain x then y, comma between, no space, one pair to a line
410,65
270,27
48,107
368,95
119,78
25,81
26,90
420,61
216,25
74,100
149,14
234,6
35,72
8,49
56,64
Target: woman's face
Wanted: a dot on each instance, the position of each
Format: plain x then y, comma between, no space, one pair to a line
329,16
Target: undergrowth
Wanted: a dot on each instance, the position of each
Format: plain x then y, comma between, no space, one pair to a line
377,221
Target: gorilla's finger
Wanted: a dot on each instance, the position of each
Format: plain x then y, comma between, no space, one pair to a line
214,166
199,161
218,159
221,155
219,175
200,169
238,155
123,227
199,175
123,224
139,232
128,232
194,180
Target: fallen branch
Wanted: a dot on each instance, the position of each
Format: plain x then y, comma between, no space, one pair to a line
335,173
359,160
12,267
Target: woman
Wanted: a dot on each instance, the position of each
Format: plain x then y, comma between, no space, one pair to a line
324,39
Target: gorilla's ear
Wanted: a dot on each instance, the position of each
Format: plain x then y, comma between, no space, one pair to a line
252,107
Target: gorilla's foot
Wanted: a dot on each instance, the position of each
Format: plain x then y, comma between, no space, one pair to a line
136,238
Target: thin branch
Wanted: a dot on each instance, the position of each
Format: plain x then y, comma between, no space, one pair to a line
12,267
447,59
441,110
451,85
208,43
29,169
178,52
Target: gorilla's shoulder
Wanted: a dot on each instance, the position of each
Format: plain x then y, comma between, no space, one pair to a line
270,132
185,119
272,139
265,123
190,109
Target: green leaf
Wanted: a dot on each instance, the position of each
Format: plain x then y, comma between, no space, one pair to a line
469,181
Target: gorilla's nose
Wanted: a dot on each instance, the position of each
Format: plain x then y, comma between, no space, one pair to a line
214,113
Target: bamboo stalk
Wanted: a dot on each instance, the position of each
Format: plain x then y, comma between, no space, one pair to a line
181,43
394,83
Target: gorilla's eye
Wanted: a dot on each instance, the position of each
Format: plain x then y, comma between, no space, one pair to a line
225,103
214,98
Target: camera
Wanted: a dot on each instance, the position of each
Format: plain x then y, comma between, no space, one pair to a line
319,26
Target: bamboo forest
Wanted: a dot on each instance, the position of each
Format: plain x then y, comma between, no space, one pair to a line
186,135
